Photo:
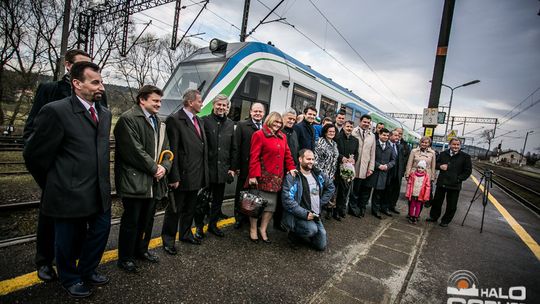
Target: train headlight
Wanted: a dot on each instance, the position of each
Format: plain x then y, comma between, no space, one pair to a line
217,45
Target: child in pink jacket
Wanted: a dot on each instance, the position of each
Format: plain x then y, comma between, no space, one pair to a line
418,190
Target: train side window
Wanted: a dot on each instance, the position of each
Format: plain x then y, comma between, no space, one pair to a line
254,88
328,108
348,112
302,98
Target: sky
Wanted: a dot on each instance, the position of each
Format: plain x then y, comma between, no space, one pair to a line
385,52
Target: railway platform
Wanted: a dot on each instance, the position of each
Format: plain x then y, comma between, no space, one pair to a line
367,261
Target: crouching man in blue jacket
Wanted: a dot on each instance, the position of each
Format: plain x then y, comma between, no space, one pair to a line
304,196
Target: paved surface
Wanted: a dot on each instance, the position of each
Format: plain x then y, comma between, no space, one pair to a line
367,261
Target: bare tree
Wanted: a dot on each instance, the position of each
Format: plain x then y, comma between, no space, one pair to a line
171,58
9,42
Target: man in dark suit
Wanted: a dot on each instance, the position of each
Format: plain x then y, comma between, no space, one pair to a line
189,172
384,161
68,156
46,93
219,130
455,166
52,91
395,175
139,175
242,137
348,153
305,131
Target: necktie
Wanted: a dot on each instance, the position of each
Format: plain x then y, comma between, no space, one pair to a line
363,134
196,124
93,114
383,146
259,125
395,148
154,121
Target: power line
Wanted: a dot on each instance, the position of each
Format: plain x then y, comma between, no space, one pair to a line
329,54
355,51
532,104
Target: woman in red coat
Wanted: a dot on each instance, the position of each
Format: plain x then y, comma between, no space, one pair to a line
270,157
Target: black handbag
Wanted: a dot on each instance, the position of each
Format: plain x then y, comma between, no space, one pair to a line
252,203
204,199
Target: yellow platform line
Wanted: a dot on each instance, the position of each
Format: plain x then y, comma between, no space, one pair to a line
520,231
26,280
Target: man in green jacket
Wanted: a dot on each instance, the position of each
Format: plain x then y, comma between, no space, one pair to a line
140,175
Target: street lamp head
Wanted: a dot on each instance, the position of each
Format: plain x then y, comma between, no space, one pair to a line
470,82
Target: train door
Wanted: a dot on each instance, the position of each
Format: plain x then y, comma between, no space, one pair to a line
254,88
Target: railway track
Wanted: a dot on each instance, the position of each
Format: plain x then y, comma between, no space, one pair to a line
31,205
511,183
32,237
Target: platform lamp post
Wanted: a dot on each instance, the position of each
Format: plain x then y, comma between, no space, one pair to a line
524,145
452,97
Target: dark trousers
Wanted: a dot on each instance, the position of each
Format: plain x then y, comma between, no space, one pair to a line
218,191
44,240
378,202
451,204
67,235
278,214
392,191
182,220
135,227
239,187
342,196
359,197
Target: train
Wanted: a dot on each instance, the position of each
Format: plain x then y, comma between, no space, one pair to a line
251,72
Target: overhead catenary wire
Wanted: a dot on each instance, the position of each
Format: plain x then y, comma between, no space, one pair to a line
356,52
330,55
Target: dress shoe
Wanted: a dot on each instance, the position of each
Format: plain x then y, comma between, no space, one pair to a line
393,210
443,225
385,212
213,229
97,280
199,233
171,250
78,290
431,220
46,273
337,218
191,240
148,256
253,240
267,241
375,214
127,266
237,224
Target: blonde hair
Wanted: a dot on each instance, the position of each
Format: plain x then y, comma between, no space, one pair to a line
271,118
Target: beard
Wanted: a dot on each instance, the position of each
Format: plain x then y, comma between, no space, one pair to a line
307,167
97,97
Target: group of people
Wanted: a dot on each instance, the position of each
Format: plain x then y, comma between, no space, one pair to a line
300,169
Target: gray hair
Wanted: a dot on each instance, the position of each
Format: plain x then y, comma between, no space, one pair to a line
190,95
289,111
221,97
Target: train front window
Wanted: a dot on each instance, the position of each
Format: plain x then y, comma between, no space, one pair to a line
189,75
254,88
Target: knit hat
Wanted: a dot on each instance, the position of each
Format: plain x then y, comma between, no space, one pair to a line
422,164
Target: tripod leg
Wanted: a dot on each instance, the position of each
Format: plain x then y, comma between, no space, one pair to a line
473,199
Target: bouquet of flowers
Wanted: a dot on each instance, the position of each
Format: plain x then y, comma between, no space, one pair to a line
346,171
